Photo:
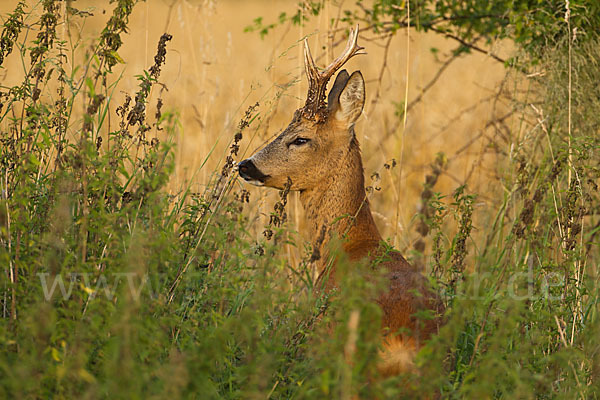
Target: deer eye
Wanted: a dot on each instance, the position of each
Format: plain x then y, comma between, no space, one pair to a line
300,141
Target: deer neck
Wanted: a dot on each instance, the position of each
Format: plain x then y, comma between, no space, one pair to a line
338,207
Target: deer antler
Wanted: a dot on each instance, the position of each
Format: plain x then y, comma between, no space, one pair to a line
315,105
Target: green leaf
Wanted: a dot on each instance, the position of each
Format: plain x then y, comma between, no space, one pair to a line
90,85
117,57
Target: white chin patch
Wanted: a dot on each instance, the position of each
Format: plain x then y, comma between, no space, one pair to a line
256,183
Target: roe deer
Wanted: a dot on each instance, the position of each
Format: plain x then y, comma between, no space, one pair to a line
320,155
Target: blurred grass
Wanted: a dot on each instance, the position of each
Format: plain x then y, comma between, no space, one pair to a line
216,71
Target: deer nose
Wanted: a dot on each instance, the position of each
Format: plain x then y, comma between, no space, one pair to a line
249,172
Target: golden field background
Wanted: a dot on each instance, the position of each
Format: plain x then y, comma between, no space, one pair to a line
215,70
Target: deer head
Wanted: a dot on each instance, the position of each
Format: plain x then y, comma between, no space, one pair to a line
320,134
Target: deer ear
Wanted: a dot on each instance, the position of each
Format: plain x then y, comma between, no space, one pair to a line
334,94
351,99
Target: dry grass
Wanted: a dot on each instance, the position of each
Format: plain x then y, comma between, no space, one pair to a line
215,71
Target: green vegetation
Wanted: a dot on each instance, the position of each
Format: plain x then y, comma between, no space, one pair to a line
111,286
534,25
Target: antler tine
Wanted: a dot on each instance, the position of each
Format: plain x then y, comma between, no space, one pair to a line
309,64
352,49
315,107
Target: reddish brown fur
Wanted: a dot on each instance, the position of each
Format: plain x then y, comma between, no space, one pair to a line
343,194
319,153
